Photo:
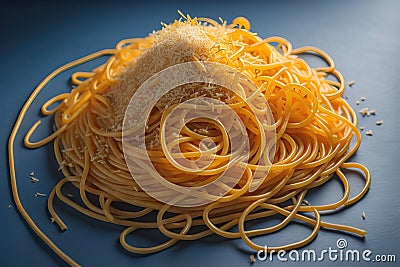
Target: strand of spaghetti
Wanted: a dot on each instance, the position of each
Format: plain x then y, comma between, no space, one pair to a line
367,174
339,203
17,125
51,101
43,141
327,225
153,249
285,247
77,76
53,214
319,52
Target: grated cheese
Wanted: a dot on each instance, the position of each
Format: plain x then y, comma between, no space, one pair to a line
369,132
176,43
34,179
252,259
363,111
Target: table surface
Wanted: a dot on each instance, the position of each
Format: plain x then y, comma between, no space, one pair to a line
39,36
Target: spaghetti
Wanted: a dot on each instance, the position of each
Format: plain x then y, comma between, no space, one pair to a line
314,128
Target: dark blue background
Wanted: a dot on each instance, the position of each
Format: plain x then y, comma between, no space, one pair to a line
39,36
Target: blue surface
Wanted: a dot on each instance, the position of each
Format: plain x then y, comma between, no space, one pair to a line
37,37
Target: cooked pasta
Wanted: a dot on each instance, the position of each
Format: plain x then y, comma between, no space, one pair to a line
313,126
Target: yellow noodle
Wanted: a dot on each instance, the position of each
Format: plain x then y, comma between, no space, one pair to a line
314,127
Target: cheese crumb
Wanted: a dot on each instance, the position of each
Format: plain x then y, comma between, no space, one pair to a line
34,179
352,82
363,215
252,259
363,111
363,98
369,132
362,128
379,122
37,194
357,102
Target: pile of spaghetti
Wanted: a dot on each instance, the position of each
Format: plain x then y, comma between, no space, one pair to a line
316,133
